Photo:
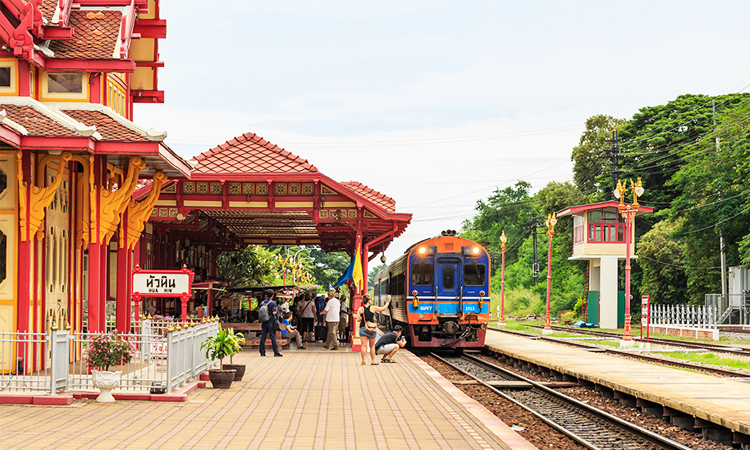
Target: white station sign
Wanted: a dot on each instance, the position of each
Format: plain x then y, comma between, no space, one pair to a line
165,283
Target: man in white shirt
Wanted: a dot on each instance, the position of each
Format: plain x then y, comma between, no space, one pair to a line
331,313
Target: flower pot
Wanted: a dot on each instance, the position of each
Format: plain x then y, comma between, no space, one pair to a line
239,368
105,381
221,379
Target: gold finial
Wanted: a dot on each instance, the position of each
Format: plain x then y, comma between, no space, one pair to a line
177,327
203,320
170,329
54,321
149,316
192,324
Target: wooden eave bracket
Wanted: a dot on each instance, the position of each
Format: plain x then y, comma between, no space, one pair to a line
40,199
139,212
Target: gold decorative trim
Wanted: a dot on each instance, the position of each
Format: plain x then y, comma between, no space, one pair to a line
235,188
202,187
294,189
216,189
261,189
172,189
323,214
324,190
308,189
188,187
248,189
280,188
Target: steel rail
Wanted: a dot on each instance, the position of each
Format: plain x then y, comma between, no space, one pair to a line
662,341
665,362
597,417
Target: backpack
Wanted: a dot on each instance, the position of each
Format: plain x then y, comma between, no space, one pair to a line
263,314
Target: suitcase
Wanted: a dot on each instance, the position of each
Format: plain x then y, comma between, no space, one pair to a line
321,333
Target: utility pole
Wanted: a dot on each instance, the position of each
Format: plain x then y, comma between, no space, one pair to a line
721,232
614,153
535,266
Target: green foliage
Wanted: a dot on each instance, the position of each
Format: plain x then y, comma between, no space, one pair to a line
252,266
225,343
662,261
106,350
327,267
592,163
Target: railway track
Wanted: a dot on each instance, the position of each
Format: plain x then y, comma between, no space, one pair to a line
640,356
585,424
661,341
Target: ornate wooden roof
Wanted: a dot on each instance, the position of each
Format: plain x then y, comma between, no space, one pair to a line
250,191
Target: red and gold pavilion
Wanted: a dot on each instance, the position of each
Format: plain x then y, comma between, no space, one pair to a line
86,193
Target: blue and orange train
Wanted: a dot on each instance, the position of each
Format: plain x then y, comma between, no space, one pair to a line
440,292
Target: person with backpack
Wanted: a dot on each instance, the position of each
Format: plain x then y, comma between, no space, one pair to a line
267,316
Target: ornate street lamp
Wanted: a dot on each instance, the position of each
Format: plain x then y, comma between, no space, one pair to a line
550,222
628,213
503,239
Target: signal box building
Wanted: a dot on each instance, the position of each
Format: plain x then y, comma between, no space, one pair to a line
599,237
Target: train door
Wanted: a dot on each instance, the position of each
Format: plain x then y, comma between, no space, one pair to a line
448,282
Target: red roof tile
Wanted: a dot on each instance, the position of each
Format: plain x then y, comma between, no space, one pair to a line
95,35
372,195
250,153
36,123
110,129
48,9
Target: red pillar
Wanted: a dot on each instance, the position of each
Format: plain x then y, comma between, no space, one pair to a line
25,257
357,297
184,305
124,256
96,315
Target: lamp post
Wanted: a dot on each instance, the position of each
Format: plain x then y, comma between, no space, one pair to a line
503,239
628,212
550,222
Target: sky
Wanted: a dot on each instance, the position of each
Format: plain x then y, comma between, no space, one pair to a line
434,103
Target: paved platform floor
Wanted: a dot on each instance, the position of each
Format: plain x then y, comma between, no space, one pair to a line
724,401
306,400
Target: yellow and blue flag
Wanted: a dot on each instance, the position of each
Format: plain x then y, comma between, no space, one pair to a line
353,273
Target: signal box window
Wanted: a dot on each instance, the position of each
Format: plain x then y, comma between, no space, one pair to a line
422,274
65,83
474,275
449,278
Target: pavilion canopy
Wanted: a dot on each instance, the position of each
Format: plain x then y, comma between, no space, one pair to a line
250,191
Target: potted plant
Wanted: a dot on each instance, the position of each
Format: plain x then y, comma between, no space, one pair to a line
224,344
238,368
106,351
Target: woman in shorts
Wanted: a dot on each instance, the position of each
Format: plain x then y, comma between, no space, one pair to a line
366,313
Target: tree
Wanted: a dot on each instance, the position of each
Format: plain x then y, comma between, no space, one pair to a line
662,263
505,210
328,267
251,266
592,164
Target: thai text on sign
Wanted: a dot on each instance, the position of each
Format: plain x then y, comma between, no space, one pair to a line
155,283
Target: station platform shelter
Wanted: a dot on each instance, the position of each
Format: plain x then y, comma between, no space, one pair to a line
86,194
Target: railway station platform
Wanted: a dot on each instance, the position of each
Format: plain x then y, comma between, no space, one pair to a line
721,401
309,399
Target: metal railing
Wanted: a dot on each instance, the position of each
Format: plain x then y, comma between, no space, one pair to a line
734,309
690,316
165,357
24,363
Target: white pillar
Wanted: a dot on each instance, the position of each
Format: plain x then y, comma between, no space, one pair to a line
608,292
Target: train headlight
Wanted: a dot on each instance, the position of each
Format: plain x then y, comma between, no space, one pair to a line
422,250
475,250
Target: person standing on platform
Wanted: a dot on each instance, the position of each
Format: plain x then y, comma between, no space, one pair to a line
343,319
288,331
331,313
306,312
389,344
365,317
267,315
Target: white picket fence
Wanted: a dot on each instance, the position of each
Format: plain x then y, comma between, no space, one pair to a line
690,316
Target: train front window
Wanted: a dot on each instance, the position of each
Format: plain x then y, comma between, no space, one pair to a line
449,278
474,275
422,274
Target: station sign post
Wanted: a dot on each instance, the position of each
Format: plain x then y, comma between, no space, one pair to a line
163,283
645,317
